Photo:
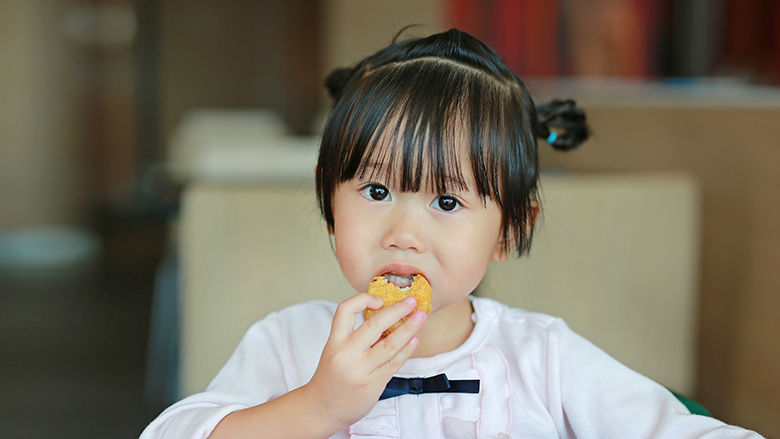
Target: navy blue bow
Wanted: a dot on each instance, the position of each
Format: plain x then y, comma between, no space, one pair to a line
435,384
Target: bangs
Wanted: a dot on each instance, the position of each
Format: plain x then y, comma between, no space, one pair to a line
431,124
419,125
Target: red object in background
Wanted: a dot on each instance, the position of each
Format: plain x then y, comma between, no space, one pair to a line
466,15
776,54
752,39
634,38
528,32
774,66
553,37
742,41
524,32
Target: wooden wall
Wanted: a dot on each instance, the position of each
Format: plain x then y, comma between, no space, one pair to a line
733,151
41,173
240,54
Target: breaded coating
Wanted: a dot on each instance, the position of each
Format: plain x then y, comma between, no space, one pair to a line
390,294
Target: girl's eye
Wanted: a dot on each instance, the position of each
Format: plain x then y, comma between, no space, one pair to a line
376,192
446,203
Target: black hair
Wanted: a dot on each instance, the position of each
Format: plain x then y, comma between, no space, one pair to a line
417,100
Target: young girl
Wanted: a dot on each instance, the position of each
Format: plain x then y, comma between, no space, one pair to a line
428,166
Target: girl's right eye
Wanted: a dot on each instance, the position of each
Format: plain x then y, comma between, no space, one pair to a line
375,192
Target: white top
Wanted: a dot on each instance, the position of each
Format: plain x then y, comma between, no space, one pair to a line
538,379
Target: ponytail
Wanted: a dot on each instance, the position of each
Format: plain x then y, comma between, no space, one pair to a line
571,129
337,80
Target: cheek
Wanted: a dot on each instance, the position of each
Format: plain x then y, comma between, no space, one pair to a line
349,244
467,256
467,270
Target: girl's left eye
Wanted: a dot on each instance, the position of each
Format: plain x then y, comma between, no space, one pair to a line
447,203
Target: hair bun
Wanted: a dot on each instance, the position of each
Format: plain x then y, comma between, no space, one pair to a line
337,80
571,128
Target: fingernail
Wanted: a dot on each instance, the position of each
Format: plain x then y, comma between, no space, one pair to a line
411,301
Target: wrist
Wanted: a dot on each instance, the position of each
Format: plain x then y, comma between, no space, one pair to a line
315,404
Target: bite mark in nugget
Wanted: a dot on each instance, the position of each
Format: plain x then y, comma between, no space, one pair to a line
391,293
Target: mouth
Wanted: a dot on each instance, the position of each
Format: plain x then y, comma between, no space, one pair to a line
401,281
401,276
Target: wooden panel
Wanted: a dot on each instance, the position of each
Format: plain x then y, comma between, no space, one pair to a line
732,151
626,245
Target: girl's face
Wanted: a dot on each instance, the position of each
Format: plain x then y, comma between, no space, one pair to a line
449,238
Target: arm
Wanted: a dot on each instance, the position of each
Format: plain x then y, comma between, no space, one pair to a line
352,372
291,415
603,398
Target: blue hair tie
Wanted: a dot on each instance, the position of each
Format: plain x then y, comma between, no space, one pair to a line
551,138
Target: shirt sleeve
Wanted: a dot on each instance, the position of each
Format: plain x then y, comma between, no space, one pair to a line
253,375
602,398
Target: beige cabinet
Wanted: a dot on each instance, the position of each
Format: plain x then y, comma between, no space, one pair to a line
615,255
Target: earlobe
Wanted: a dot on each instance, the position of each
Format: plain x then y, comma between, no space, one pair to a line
535,210
500,256
500,253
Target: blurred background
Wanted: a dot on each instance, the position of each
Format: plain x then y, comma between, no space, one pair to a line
98,98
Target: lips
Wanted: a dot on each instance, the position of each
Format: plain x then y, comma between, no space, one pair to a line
400,275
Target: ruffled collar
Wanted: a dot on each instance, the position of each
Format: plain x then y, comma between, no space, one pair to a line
483,320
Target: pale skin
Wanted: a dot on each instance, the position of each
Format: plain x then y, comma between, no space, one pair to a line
373,230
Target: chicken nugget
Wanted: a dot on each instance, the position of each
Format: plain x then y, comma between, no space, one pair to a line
391,293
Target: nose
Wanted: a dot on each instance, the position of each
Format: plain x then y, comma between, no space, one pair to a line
405,230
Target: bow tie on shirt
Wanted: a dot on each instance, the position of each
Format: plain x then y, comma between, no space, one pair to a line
435,384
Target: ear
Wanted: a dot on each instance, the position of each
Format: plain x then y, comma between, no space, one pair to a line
501,251
535,211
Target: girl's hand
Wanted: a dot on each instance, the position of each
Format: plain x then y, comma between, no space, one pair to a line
356,365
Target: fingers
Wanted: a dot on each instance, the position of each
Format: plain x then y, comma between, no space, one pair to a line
370,331
396,348
389,368
344,319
